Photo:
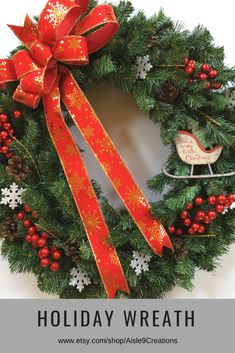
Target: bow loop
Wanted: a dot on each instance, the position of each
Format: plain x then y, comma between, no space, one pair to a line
40,52
7,71
40,81
58,19
103,22
71,50
26,34
24,63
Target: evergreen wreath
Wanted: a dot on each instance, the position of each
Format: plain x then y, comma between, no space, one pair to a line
180,80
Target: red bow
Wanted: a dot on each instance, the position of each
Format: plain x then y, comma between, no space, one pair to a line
58,38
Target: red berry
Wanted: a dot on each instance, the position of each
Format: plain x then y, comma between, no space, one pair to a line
198,200
192,63
213,73
44,252
8,141
45,262
56,255
187,222
217,85
200,215
220,208
35,244
27,223
189,70
11,132
53,248
20,216
55,266
208,85
35,238
28,239
3,118
4,149
7,126
9,155
179,231
17,114
34,214
4,135
184,215
211,200
205,67
189,206
212,215
195,227
203,76
27,208
32,230
227,203
44,235
171,230
207,220
201,230
232,197
191,231
42,242
221,199
186,61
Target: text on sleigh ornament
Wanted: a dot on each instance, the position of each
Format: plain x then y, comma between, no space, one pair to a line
65,34
191,152
231,95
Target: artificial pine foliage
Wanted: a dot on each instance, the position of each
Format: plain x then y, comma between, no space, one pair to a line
48,193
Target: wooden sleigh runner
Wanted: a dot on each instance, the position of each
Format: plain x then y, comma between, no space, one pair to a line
191,151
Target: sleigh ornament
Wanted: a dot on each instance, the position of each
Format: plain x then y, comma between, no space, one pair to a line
191,151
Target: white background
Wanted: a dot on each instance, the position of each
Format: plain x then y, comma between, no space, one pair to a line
136,137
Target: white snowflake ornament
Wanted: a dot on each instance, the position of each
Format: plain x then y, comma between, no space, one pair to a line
231,96
140,262
143,66
79,279
12,196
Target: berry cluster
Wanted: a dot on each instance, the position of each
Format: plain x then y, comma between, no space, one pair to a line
194,219
49,255
6,133
206,74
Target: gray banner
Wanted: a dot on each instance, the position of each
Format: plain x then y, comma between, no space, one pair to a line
116,326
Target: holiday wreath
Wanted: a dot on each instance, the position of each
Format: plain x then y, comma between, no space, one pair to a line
54,220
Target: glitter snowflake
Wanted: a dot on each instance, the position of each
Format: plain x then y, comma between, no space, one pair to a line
79,279
56,13
12,196
143,66
140,262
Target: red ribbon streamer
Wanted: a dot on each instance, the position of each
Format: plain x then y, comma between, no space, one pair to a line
58,37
